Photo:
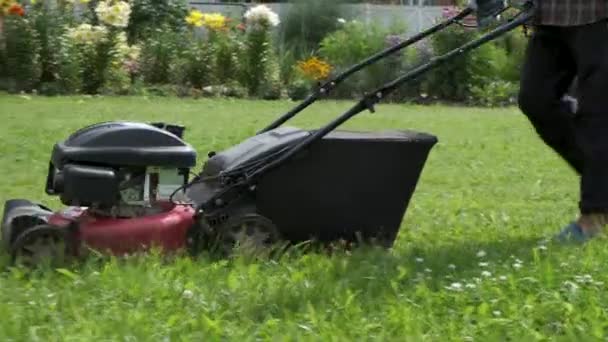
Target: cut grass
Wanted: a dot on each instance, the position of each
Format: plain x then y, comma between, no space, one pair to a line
469,263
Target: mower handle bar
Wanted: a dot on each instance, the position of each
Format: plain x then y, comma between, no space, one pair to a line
328,86
371,99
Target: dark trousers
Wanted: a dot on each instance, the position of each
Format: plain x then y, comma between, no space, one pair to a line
554,58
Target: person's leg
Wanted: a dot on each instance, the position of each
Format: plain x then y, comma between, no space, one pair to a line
590,44
547,75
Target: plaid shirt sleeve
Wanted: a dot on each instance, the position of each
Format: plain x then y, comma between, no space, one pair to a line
570,12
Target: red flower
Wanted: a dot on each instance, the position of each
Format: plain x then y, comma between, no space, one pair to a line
16,9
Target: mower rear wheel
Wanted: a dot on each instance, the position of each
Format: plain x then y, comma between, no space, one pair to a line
251,233
198,238
40,245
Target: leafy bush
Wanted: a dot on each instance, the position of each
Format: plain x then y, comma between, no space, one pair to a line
159,53
194,66
48,23
307,23
22,51
43,26
515,44
453,80
148,15
227,45
69,78
124,65
356,41
93,45
495,93
298,89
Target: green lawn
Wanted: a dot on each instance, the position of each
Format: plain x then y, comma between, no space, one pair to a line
469,263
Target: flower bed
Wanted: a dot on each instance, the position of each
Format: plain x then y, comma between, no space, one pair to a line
143,46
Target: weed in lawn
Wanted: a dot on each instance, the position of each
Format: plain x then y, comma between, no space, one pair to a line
471,262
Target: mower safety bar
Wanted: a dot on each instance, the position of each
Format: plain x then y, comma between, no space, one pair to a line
328,86
371,99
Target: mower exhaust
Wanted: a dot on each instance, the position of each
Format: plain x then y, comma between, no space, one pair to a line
127,185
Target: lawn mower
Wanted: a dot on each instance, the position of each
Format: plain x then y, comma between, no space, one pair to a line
128,186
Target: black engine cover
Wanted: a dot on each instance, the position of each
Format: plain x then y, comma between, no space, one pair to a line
348,185
124,144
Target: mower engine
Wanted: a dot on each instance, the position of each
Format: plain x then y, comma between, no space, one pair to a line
118,180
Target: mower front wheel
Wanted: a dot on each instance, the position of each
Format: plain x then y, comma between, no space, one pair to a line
41,245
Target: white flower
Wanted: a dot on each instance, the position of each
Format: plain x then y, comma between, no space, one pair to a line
428,270
87,34
586,279
483,264
187,294
517,265
341,20
452,266
455,287
419,260
114,14
470,286
486,274
572,287
481,254
261,15
502,278
497,313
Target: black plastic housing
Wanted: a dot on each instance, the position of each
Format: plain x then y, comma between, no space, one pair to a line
88,185
348,185
124,144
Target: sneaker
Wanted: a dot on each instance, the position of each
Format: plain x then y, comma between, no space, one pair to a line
573,233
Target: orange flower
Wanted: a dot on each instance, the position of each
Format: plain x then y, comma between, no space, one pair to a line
16,9
314,68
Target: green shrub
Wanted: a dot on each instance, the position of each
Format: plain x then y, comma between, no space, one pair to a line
22,51
495,93
453,80
96,61
307,23
57,74
226,46
515,44
122,67
148,15
194,66
69,78
298,89
356,41
159,53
